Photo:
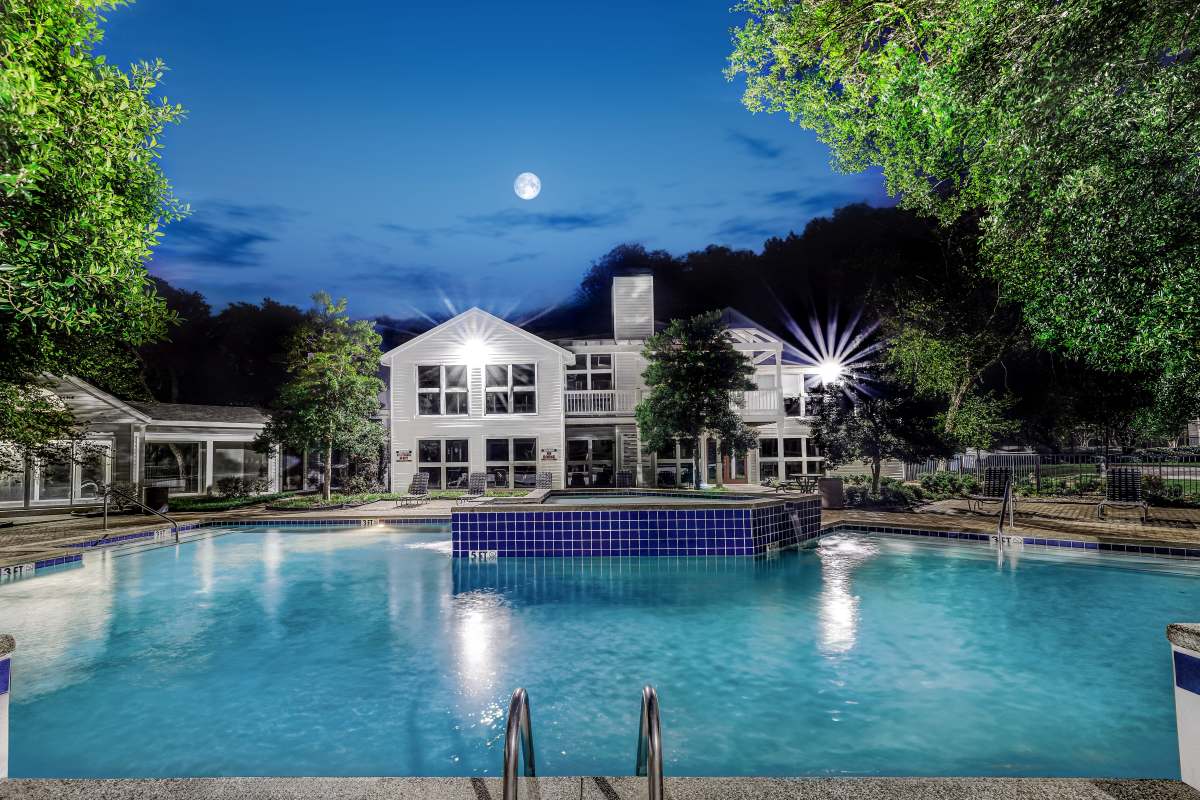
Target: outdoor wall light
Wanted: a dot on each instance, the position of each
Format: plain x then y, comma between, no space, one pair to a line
830,371
475,352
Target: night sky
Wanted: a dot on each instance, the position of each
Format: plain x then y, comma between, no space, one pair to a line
369,147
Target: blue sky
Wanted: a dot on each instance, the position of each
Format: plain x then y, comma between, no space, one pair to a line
369,148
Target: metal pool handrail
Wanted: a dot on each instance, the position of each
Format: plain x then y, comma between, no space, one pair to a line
518,737
649,750
1006,504
109,490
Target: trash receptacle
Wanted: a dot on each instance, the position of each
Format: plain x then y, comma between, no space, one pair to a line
156,498
832,492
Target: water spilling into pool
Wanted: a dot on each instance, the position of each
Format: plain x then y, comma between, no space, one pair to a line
359,651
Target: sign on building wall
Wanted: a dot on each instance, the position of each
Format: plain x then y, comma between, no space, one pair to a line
549,454
404,455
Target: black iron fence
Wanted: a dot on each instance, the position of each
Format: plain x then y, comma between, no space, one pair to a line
1165,474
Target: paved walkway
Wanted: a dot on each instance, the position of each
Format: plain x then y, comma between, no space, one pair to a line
601,789
36,538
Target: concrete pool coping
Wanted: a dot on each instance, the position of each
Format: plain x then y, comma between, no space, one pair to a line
599,788
1184,634
536,501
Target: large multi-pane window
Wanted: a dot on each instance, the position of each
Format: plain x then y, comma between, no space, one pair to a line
445,461
512,463
179,466
590,462
442,390
674,464
510,389
591,372
797,456
238,460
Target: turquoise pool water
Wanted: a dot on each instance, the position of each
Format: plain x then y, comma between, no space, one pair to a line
356,651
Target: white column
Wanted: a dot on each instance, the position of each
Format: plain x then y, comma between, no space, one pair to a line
1185,655
7,645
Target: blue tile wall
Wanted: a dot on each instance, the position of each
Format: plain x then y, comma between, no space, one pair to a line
1187,672
635,532
4,674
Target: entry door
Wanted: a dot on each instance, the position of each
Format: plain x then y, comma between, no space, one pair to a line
733,468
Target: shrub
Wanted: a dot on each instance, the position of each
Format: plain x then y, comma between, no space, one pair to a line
1160,493
892,493
241,487
362,484
117,501
944,485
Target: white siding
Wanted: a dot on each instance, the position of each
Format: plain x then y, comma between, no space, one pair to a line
505,345
633,306
627,371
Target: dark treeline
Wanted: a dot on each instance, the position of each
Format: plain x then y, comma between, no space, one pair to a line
875,265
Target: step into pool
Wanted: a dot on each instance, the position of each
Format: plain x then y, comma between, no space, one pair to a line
361,651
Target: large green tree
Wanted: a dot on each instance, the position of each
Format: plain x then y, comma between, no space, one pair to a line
81,201
1069,128
332,393
695,377
873,417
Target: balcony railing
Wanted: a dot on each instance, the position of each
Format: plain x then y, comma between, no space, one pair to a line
601,401
617,402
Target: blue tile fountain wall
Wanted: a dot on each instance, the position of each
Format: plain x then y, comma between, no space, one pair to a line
738,531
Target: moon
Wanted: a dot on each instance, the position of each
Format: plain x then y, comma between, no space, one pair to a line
527,186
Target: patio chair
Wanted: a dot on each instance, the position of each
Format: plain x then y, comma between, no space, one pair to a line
1123,489
545,480
477,483
624,479
995,481
418,491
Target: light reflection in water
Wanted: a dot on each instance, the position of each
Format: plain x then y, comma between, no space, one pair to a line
482,620
839,605
272,554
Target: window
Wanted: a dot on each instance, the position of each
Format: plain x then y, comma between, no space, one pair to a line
674,465
591,372
591,462
238,460
445,461
510,389
800,457
512,463
179,466
442,390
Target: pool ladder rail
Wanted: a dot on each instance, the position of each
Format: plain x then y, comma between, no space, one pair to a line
518,739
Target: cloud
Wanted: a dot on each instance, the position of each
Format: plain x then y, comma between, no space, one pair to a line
758,148
224,234
193,239
421,237
501,222
811,202
742,230
515,258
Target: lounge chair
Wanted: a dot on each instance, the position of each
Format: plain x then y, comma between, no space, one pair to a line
477,483
995,482
1123,489
624,479
418,491
545,480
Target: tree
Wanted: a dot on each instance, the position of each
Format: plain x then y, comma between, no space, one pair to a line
1069,128
879,421
333,389
694,375
81,200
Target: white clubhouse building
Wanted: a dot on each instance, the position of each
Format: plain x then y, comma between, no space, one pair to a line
479,394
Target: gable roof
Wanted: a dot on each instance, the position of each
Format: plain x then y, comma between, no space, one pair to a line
477,313
65,385
190,412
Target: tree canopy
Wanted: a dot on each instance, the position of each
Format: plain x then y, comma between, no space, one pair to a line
693,375
81,201
1071,130
331,397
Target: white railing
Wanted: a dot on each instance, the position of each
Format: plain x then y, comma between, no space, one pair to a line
761,401
601,401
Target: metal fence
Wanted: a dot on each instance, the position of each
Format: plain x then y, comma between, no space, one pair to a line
1164,473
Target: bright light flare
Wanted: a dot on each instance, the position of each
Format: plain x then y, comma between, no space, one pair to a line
475,352
830,371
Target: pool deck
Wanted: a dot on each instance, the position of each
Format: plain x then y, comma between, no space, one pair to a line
35,538
597,788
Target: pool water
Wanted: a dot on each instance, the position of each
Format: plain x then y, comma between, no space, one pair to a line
358,651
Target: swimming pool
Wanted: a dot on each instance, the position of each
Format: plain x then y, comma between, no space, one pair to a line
367,651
